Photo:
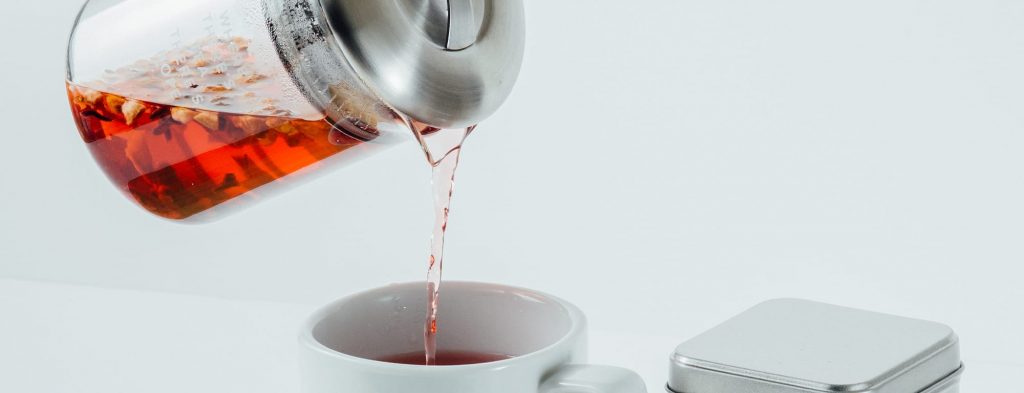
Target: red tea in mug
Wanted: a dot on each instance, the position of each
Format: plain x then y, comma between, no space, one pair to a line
445,358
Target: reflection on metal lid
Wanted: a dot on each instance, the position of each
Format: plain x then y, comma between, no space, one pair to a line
790,345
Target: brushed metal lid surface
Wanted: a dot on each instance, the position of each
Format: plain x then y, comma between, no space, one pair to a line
448,63
791,345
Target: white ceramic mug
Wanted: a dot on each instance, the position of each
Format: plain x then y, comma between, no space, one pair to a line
545,337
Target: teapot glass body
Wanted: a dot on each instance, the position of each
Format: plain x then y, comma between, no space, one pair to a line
193,106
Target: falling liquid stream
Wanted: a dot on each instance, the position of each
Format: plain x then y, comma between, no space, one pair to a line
449,144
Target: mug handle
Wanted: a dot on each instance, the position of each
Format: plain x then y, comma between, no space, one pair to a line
586,378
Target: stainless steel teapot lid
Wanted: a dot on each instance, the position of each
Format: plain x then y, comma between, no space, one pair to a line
449,63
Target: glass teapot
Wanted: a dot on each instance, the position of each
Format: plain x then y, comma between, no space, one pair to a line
191,106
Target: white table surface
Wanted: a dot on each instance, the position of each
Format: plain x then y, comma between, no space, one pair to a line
58,338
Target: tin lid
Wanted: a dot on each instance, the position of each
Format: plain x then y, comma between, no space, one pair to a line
799,346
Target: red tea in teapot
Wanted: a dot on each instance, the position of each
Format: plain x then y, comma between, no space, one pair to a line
200,125
178,161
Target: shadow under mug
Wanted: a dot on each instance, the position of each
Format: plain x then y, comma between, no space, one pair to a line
544,335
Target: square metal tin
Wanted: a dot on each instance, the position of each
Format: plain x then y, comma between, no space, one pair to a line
800,346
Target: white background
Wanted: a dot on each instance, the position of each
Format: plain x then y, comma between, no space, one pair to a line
663,164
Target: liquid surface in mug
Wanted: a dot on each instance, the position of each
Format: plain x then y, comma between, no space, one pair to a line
445,358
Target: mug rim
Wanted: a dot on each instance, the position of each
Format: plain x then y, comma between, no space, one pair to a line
577,319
